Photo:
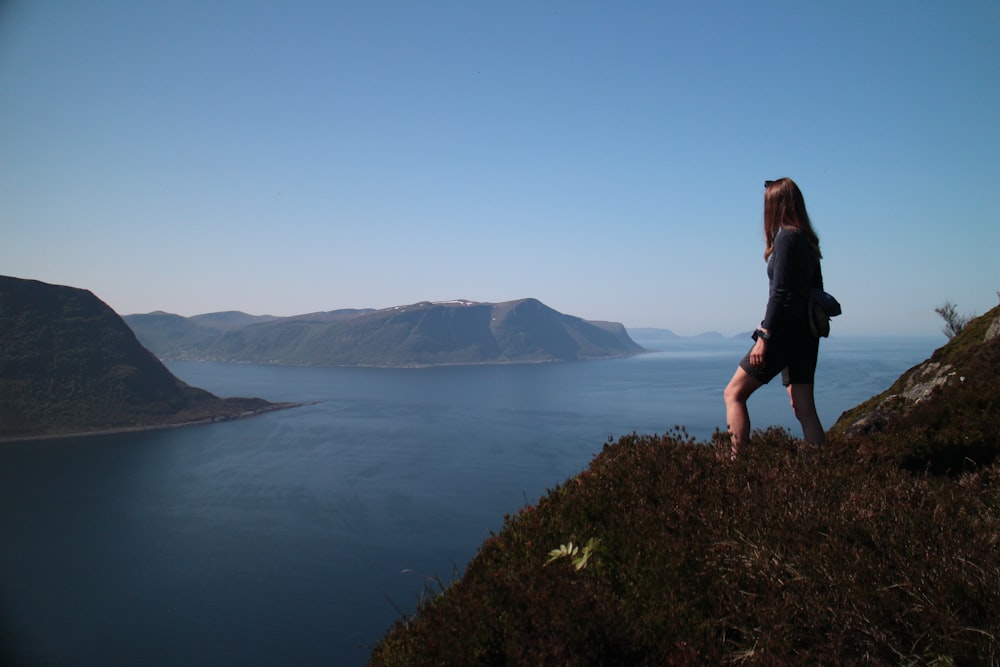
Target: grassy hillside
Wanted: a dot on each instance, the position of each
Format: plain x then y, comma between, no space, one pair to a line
882,547
69,364
943,413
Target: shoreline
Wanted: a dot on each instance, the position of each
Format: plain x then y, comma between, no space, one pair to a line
289,364
213,419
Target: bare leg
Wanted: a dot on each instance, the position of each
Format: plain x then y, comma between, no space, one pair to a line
804,407
737,392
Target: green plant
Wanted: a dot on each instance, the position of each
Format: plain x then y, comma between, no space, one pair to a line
578,557
953,322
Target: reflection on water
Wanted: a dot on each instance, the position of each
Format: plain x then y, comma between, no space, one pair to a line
282,539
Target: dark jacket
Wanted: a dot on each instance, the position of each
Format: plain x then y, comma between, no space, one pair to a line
793,270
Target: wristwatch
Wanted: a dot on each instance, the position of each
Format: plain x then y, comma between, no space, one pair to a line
760,333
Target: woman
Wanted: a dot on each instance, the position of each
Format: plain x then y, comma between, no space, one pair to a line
784,343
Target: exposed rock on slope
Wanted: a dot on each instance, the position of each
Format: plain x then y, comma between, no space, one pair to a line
69,364
962,361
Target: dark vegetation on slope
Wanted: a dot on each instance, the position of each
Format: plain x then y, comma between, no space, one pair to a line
943,413
421,334
882,547
69,364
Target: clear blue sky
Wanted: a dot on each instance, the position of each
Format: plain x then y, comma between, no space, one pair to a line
607,158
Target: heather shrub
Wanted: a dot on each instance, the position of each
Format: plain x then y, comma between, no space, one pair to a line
881,548
792,554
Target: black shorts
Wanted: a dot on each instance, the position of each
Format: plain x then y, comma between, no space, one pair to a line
792,352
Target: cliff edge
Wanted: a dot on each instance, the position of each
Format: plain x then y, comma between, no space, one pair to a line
878,548
69,364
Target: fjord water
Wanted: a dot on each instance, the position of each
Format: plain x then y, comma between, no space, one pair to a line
298,537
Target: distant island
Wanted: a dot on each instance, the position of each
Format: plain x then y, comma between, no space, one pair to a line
70,365
664,335
420,334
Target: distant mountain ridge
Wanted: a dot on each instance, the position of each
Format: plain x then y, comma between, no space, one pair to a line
69,364
668,334
420,334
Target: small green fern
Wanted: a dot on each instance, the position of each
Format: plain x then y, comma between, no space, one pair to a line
578,557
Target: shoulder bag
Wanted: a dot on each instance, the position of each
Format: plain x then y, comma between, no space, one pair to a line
822,306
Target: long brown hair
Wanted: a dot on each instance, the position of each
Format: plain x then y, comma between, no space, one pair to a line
784,206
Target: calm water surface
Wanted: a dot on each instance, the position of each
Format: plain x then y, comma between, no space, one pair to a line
294,537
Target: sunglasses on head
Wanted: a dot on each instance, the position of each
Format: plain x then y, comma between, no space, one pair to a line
768,184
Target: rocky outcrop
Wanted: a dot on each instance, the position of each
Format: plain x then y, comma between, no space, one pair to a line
948,367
